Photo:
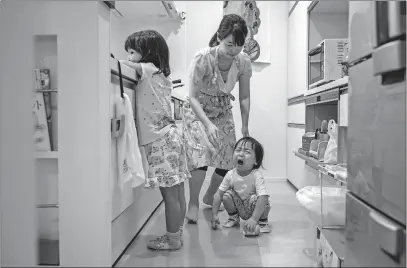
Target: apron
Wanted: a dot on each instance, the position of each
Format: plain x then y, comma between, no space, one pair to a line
215,100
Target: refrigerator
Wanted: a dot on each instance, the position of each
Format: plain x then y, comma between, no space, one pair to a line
376,198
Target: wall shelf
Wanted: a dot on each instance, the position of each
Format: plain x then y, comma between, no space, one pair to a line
149,9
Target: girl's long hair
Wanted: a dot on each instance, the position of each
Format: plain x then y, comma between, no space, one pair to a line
152,47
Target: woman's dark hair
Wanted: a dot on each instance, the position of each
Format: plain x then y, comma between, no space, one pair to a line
152,47
257,148
230,24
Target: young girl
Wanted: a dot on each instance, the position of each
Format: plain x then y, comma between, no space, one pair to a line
243,190
161,146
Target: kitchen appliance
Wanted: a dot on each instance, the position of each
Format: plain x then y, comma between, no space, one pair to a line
376,201
325,61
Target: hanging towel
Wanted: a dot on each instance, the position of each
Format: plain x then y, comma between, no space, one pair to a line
128,153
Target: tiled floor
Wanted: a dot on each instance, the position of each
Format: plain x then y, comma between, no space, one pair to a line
288,244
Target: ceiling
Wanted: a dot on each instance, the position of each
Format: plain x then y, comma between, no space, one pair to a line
331,7
141,9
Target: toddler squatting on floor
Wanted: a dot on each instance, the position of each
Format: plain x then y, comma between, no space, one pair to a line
243,190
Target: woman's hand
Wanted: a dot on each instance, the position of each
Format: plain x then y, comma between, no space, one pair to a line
245,131
213,134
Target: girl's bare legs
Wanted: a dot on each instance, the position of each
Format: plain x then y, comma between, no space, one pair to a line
172,208
216,180
182,203
195,185
172,239
183,208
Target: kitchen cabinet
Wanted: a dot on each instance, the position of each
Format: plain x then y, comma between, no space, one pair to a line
295,165
297,50
296,113
91,221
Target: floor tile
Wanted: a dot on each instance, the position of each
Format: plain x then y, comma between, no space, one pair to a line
288,244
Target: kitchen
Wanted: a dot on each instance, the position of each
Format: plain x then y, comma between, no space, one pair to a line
301,86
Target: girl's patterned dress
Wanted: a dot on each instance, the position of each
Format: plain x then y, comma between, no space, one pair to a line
215,99
161,145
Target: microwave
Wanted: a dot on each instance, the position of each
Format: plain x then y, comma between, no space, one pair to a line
325,61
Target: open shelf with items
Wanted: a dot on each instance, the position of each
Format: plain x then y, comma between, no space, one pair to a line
45,109
331,237
325,105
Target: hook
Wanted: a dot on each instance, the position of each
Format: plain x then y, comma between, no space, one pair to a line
119,67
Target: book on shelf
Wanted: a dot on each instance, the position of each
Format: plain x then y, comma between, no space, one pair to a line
42,110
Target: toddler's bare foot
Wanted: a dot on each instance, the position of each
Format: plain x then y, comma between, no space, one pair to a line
192,213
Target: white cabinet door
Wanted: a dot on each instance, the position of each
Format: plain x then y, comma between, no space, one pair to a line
343,110
295,165
296,113
297,50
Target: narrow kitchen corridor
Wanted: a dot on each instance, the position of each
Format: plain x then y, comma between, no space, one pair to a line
287,245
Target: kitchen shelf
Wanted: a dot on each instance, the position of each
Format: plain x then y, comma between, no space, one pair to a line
312,162
339,175
46,155
336,239
341,82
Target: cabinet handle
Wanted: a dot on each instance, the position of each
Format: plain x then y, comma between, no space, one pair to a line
385,233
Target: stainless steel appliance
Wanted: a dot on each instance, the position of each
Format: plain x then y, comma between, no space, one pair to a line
376,202
325,61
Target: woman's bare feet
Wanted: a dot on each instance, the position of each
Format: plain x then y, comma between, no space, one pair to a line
192,213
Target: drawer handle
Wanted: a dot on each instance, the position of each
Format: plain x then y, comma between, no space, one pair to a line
388,235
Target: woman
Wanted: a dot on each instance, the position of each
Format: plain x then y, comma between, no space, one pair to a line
209,129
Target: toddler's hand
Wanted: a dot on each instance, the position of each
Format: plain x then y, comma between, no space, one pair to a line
215,222
250,225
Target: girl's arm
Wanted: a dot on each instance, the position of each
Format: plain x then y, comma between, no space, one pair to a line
134,65
244,99
217,200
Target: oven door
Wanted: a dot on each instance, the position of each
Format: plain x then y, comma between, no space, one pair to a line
316,65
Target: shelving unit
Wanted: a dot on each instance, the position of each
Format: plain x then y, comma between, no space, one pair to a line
334,235
47,162
308,107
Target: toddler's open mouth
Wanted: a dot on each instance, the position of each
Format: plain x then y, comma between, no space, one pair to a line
240,162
